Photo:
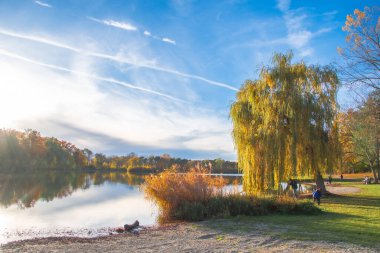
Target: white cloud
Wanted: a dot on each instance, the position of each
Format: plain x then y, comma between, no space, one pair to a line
294,21
117,24
298,35
119,59
168,40
42,4
299,39
283,5
323,30
306,52
120,25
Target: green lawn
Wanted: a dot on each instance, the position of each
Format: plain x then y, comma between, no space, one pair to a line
351,219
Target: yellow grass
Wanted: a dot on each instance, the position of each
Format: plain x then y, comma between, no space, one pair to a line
170,190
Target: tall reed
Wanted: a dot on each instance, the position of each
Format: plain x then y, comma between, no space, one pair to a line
171,191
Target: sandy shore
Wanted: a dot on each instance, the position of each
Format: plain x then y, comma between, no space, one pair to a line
184,237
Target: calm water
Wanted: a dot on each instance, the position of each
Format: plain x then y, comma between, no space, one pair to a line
58,204
70,204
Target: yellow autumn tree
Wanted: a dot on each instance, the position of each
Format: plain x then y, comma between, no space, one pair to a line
284,124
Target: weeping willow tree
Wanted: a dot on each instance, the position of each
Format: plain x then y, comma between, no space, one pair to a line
284,124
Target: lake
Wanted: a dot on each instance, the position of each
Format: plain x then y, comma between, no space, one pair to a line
71,204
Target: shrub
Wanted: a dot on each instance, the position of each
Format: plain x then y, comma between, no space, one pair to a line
190,211
194,197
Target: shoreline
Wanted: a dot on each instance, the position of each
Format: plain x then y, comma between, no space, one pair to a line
182,237
31,234
67,239
240,234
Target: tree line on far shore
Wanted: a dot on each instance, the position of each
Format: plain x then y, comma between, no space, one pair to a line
28,151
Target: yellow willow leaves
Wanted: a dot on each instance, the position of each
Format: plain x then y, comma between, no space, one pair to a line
284,123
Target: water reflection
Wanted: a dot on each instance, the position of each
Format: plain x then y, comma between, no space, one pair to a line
68,203
25,189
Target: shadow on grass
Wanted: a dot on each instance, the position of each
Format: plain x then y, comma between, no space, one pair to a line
359,201
265,222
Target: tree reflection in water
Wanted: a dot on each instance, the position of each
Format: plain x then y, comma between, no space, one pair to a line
25,189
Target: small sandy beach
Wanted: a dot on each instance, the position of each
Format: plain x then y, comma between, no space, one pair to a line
184,237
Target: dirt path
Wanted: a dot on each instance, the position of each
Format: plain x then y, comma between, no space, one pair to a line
342,190
180,238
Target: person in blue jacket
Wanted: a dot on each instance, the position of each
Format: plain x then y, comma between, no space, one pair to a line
317,194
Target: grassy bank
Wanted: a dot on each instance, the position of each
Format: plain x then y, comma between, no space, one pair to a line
348,219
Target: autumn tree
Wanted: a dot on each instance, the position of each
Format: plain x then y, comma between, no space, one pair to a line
88,154
99,160
80,158
57,155
34,144
362,53
12,153
30,151
284,124
362,133
349,160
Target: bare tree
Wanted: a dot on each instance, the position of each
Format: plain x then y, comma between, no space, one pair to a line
362,52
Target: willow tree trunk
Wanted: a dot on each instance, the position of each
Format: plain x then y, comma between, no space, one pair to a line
374,173
320,183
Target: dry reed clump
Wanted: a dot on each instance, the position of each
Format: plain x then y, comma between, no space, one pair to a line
172,191
194,196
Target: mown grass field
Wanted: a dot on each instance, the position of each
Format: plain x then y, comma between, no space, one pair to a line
351,218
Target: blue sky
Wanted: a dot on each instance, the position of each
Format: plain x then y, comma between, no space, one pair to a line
150,77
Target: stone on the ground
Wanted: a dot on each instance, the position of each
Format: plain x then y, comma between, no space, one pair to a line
134,225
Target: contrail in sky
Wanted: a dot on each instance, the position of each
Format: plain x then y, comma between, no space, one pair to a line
114,58
99,78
